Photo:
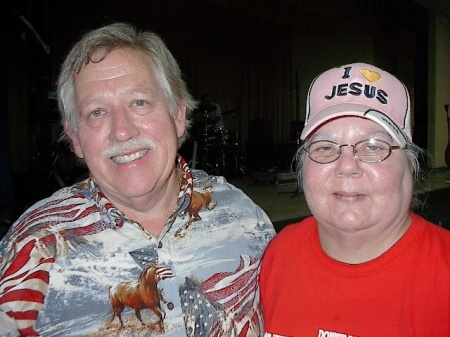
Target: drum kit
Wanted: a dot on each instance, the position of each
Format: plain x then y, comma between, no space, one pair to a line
219,150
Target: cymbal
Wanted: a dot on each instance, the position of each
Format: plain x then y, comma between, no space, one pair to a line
207,108
229,111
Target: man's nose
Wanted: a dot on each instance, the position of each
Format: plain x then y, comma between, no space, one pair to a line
123,126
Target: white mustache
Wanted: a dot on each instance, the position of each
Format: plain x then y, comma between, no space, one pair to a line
130,146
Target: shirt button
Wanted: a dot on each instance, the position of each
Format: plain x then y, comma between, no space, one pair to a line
170,305
160,244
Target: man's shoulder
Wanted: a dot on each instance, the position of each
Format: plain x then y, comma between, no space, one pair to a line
59,203
54,213
204,182
228,206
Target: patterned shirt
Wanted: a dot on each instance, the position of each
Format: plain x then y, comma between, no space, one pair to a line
74,265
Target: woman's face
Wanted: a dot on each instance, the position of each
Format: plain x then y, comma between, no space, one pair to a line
348,195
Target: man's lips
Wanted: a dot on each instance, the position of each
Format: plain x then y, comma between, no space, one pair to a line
127,158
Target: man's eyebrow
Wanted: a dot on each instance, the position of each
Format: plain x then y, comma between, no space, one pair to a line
87,102
139,90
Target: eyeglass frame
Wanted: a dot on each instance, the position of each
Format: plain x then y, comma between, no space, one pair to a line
355,152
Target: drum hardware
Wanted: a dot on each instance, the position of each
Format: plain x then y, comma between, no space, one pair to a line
230,111
219,152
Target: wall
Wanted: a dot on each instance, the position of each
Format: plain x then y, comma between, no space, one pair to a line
439,86
315,53
395,48
246,58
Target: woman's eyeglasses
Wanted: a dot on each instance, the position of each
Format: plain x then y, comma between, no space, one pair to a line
367,151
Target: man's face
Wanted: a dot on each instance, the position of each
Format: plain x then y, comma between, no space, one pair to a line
348,195
125,132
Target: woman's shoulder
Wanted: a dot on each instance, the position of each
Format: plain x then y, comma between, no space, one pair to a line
294,232
301,226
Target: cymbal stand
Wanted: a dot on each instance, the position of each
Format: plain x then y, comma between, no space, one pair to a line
298,189
206,163
205,114
239,166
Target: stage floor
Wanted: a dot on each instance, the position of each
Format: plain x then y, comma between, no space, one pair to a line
284,205
276,193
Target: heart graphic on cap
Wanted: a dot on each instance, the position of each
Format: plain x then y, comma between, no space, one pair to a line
371,76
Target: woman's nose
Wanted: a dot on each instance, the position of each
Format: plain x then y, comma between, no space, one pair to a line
347,163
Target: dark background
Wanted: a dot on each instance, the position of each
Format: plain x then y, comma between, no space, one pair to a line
252,56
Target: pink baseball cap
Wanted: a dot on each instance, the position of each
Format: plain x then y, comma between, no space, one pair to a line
362,90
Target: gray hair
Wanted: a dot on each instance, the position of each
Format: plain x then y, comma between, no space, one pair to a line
413,153
122,35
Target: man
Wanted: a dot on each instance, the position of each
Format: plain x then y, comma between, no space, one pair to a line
144,245
363,264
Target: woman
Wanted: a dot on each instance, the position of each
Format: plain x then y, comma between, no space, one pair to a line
363,264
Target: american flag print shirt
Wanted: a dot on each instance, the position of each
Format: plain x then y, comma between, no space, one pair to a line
74,265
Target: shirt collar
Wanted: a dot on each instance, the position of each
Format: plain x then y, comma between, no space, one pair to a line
184,196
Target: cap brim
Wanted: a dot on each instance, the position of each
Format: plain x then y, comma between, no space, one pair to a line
357,110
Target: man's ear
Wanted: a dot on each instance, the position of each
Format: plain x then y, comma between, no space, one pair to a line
71,134
180,121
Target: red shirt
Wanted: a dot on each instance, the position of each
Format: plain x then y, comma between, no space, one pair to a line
404,292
